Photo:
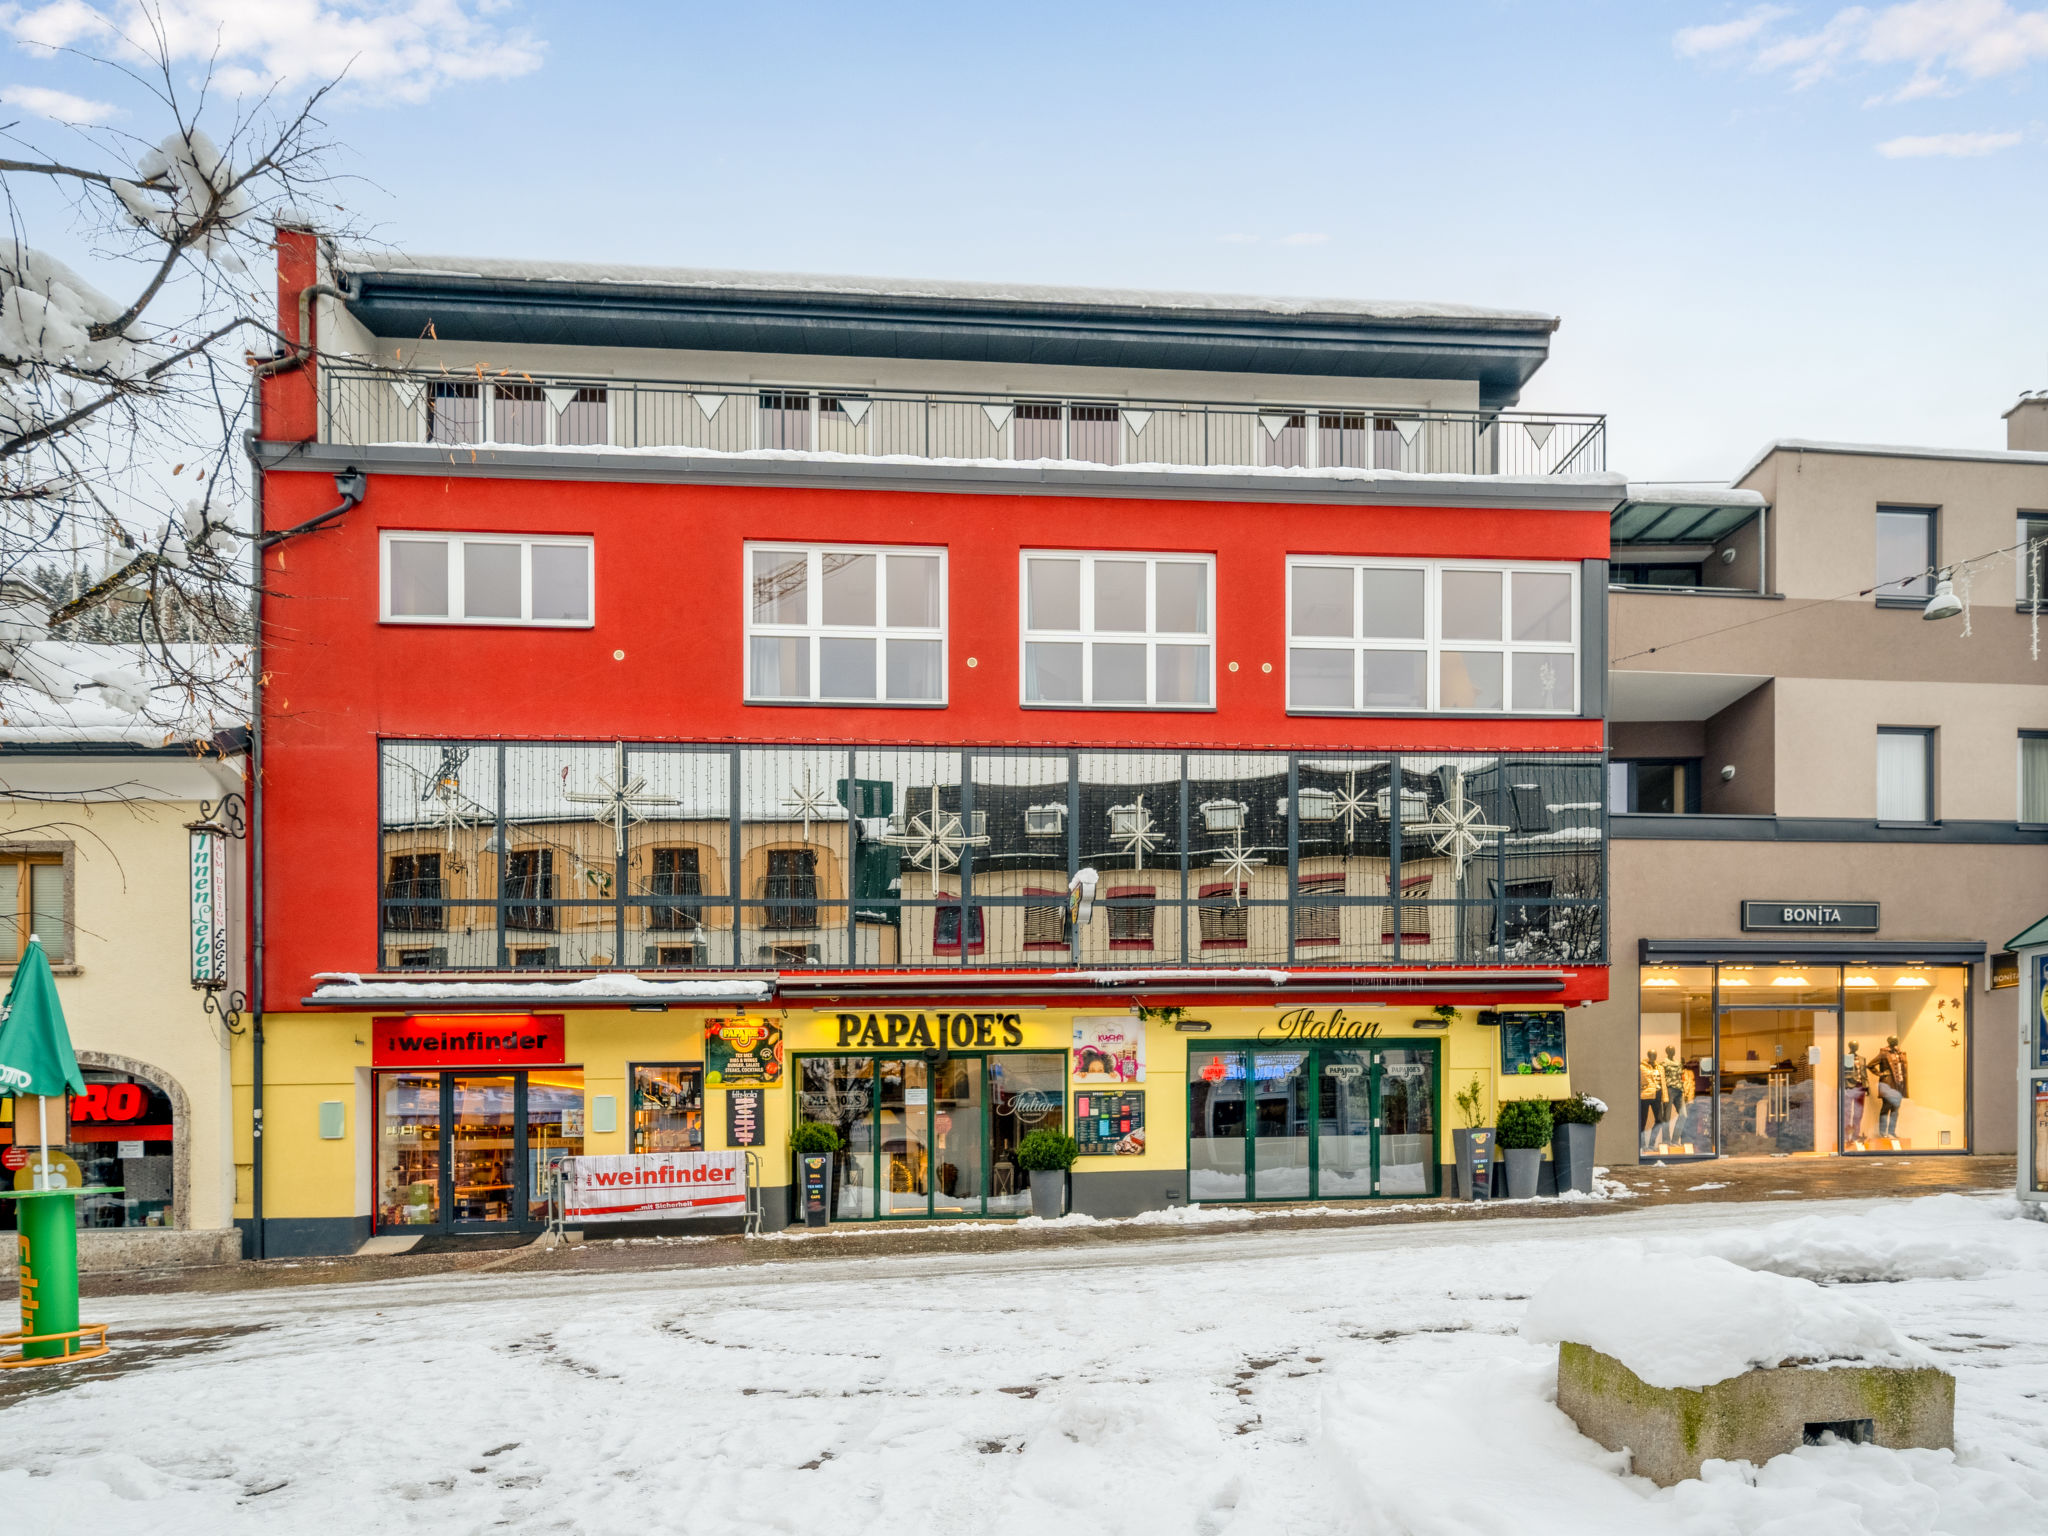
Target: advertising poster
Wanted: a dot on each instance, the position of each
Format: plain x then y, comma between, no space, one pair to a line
653,1186
742,1053
1109,1049
1532,1043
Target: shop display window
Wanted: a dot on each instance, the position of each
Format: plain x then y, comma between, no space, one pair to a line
554,1129
1905,1058
121,1136
409,1149
1216,1125
668,1107
2037,1150
1675,1062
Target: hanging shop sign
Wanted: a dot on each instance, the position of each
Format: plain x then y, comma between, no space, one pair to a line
656,1186
743,1118
1108,1049
1320,1024
209,908
1809,916
742,1051
468,1040
1532,1042
1110,1124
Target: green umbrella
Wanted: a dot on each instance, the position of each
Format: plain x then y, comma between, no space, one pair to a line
35,1047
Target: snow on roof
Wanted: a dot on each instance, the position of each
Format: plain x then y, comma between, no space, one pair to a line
730,280
348,987
1891,451
1686,493
169,716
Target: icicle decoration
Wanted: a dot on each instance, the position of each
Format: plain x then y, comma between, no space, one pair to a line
1963,591
2034,593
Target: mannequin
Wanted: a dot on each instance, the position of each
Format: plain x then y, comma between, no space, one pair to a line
1673,1072
1890,1068
1646,1115
1855,1094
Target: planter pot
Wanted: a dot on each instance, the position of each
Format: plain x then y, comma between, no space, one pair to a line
1525,1171
1571,1148
1049,1193
1467,1186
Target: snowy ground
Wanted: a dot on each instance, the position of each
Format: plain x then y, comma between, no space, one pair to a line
1363,1380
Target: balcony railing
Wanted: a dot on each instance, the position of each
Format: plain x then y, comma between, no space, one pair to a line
364,406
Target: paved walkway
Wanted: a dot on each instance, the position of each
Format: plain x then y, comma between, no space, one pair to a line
1766,1179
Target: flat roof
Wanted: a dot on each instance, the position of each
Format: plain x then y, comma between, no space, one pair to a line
1891,451
562,303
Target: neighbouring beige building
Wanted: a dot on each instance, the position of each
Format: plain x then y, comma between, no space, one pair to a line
1829,811
99,859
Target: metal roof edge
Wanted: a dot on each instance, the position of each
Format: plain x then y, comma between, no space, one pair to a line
1589,493
2015,456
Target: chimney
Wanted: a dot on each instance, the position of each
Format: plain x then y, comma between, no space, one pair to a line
2026,424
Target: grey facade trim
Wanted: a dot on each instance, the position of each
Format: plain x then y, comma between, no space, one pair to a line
1794,947
1592,639
1577,493
1817,829
1499,351
305,1237
1113,1193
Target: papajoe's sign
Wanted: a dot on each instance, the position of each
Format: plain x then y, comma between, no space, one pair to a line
468,1040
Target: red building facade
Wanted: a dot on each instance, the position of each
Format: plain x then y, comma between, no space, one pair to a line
656,689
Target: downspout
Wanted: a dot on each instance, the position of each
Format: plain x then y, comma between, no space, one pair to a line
256,976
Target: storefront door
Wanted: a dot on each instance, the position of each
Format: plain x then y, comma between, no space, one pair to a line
1776,1083
1324,1122
464,1152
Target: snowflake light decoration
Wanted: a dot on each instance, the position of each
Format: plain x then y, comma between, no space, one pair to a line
1459,829
1140,834
808,803
619,804
1237,862
1354,804
936,836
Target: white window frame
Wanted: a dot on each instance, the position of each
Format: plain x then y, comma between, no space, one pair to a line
814,629
487,390
1432,645
1151,637
527,544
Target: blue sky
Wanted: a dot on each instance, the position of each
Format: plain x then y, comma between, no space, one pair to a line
1755,221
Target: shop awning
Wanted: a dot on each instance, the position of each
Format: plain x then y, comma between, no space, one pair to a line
2038,934
1818,951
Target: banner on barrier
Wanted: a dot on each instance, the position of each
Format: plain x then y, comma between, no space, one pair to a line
653,1186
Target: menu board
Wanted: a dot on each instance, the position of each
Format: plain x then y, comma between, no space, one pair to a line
1532,1043
1110,1124
743,1117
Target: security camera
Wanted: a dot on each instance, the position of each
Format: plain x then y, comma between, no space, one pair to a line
1727,557
1727,772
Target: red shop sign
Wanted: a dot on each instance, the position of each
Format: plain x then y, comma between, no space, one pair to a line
468,1040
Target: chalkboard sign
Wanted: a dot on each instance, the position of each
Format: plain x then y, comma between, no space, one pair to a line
1475,1165
743,1126
1532,1043
1110,1124
816,1171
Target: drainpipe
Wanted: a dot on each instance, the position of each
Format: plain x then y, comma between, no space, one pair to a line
256,977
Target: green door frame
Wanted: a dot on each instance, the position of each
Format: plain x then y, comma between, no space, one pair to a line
874,1122
1314,1050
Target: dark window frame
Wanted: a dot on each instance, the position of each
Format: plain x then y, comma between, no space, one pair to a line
1926,734
1931,516
2020,770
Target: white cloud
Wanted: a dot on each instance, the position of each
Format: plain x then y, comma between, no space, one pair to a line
1304,239
1722,36
400,50
1950,145
58,106
1978,39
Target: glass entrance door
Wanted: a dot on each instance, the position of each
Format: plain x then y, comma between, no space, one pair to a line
482,1169
1326,1122
904,1124
1776,1083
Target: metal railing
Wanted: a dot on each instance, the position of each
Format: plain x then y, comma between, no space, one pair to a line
361,406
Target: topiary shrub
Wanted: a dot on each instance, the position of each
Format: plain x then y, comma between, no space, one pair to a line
815,1136
1579,1109
1523,1123
1048,1150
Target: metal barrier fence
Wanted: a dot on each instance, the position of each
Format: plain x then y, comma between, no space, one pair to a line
362,406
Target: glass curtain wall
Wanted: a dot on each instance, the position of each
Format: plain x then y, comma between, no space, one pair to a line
1752,1060
580,856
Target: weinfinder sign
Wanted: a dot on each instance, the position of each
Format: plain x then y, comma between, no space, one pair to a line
1809,916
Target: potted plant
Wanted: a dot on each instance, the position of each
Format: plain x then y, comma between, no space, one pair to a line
1471,1102
814,1136
1524,1132
1571,1143
1048,1154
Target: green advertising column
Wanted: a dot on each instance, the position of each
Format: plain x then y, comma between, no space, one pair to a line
47,1220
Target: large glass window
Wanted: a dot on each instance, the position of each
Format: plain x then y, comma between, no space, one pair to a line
1906,1058
1422,636
850,626
668,1107
1118,631
1675,1067
1905,554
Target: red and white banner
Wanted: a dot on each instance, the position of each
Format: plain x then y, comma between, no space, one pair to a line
653,1186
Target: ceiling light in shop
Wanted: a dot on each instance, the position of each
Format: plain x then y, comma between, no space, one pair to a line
1911,981
1859,981
1790,981
1734,981
1660,981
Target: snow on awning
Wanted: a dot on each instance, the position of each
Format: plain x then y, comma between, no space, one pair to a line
337,989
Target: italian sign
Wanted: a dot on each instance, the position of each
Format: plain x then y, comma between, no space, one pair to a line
653,1186
742,1052
467,1039
1108,1049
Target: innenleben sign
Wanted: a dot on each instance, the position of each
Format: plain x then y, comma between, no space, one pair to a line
1809,916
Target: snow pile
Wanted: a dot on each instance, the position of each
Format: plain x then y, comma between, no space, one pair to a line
1686,1321
1944,1237
195,186
85,692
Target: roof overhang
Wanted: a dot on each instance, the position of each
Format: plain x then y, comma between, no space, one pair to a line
1816,951
1643,695
1654,515
1498,349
